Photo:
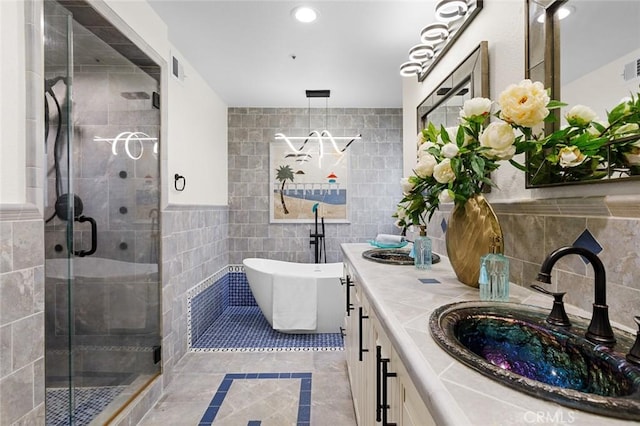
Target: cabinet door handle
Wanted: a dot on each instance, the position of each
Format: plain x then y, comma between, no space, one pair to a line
349,305
378,383
382,397
342,332
361,317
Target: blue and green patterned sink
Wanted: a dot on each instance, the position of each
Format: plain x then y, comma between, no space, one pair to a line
513,344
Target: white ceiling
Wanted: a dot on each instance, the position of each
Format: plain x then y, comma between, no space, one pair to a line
243,49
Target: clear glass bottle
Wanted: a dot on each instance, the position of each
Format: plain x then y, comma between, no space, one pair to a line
494,274
422,250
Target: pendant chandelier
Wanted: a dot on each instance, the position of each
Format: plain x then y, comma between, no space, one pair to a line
321,136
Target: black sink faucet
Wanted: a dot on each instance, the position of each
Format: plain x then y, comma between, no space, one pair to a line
599,330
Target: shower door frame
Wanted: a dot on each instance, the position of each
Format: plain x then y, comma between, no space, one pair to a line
101,7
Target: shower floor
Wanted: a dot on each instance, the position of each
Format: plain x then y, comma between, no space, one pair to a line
244,328
89,401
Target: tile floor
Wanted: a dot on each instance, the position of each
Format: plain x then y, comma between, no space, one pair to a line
244,328
231,388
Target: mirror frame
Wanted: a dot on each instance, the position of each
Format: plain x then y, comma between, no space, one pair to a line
473,69
542,63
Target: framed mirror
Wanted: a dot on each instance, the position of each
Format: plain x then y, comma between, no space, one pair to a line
470,79
587,53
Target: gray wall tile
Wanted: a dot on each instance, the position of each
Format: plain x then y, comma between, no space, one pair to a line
375,172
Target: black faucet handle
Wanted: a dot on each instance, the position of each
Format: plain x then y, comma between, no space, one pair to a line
558,315
634,354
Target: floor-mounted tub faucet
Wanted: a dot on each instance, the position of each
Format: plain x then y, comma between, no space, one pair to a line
599,330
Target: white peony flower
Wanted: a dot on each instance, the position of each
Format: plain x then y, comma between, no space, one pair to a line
499,136
627,129
425,165
450,150
424,149
421,139
633,156
475,107
407,186
443,172
445,197
524,104
570,156
580,115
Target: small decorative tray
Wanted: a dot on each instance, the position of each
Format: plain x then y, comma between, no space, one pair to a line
389,246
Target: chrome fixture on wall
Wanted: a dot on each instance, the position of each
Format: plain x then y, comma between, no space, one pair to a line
452,16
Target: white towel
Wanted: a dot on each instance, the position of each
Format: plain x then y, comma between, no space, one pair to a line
389,239
295,303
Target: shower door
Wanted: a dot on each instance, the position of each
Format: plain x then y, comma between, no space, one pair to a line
58,146
102,283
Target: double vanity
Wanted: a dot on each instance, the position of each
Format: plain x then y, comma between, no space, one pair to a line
400,374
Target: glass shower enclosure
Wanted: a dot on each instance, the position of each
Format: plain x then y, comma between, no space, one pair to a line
102,203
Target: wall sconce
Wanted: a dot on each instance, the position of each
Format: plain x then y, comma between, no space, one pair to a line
436,38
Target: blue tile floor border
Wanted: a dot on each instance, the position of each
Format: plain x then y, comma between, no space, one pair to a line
245,329
304,401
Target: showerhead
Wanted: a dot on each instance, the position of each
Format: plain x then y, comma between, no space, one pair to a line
62,206
48,84
135,95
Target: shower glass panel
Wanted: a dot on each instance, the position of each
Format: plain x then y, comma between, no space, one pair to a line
102,283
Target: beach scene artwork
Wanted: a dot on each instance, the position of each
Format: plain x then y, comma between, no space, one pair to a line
305,177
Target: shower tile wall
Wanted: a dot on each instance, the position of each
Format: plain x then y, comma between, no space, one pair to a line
122,195
195,246
374,180
21,316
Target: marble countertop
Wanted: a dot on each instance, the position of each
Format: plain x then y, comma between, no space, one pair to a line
454,393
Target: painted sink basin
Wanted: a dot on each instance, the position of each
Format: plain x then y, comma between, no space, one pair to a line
393,256
513,344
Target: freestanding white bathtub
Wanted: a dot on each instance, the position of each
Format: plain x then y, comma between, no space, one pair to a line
330,299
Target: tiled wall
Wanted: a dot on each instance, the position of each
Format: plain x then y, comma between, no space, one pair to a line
532,230
195,246
375,172
21,316
229,287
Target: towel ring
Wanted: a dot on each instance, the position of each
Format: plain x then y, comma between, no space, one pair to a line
176,183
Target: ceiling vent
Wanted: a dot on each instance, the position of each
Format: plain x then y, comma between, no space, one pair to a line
632,70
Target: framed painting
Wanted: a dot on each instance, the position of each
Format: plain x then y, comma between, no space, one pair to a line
314,178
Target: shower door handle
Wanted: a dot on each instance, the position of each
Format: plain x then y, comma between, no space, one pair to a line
94,237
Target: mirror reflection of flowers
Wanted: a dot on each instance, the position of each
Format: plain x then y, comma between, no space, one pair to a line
588,148
454,164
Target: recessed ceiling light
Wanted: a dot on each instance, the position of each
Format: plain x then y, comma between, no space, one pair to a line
304,14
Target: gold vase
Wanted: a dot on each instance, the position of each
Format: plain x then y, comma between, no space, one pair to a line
470,232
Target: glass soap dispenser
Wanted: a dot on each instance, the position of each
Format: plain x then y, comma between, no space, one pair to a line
422,250
494,274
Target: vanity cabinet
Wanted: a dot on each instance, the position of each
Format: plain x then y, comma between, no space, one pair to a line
382,390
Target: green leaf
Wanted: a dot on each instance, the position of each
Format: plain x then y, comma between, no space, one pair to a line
460,136
477,165
518,165
444,135
553,104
